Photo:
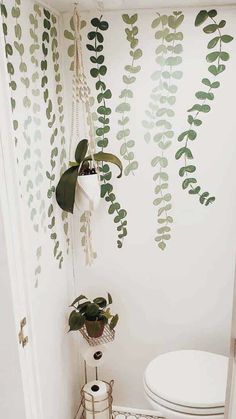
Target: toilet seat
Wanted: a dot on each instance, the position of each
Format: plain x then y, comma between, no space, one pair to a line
188,382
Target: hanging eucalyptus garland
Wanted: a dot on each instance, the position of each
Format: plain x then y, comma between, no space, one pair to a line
60,108
124,108
204,96
51,118
34,48
98,72
10,66
160,113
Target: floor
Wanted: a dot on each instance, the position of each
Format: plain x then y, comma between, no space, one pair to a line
134,414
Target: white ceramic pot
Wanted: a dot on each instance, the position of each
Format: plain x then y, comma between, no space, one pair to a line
87,194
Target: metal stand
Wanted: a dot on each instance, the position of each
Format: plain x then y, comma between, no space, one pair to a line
86,374
87,398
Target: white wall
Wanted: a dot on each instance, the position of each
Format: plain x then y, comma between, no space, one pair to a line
182,297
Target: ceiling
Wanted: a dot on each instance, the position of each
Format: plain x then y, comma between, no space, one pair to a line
65,5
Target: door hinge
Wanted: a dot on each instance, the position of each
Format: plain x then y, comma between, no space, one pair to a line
23,340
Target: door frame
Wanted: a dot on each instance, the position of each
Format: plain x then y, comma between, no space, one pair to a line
230,405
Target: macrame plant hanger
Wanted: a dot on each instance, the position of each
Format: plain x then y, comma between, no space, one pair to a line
81,101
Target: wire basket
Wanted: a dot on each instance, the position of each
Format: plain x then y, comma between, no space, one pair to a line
107,336
91,407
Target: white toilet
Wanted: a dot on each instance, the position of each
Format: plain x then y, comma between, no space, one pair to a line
187,384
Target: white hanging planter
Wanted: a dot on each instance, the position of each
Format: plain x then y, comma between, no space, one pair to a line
87,194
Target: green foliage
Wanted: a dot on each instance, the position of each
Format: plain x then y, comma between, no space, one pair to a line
158,122
48,23
65,190
124,107
60,109
94,311
103,110
10,67
203,95
70,36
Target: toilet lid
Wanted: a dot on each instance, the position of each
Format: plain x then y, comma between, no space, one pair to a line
189,378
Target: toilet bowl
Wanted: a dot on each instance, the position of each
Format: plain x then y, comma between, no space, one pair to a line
187,384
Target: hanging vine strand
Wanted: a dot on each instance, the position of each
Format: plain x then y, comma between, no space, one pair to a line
160,113
51,118
10,67
98,72
218,56
61,117
124,108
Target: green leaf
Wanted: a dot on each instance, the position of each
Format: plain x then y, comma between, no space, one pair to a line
92,310
201,17
78,299
210,200
100,301
126,19
224,56
222,23
136,54
191,134
107,157
188,182
187,169
162,245
69,35
215,85
109,298
215,70
81,151
213,42
65,190
156,22
76,320
206,82
213,56
103,25
184,150
204,95
175,22
114,321
203,196
212,13
94,72
210,28
200,108
194,191
226,38
132,69
95,22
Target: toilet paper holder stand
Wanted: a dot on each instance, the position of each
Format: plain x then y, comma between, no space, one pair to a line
95,410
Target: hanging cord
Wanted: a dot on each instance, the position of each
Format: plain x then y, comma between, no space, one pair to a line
80,100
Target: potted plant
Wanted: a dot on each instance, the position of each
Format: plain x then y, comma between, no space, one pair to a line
94,315
83,171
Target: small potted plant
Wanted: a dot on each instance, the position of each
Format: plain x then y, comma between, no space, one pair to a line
83,174
94,315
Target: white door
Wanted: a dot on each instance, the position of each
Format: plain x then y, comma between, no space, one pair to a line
24,395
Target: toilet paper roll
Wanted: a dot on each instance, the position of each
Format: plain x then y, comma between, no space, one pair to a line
94,355
96,401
